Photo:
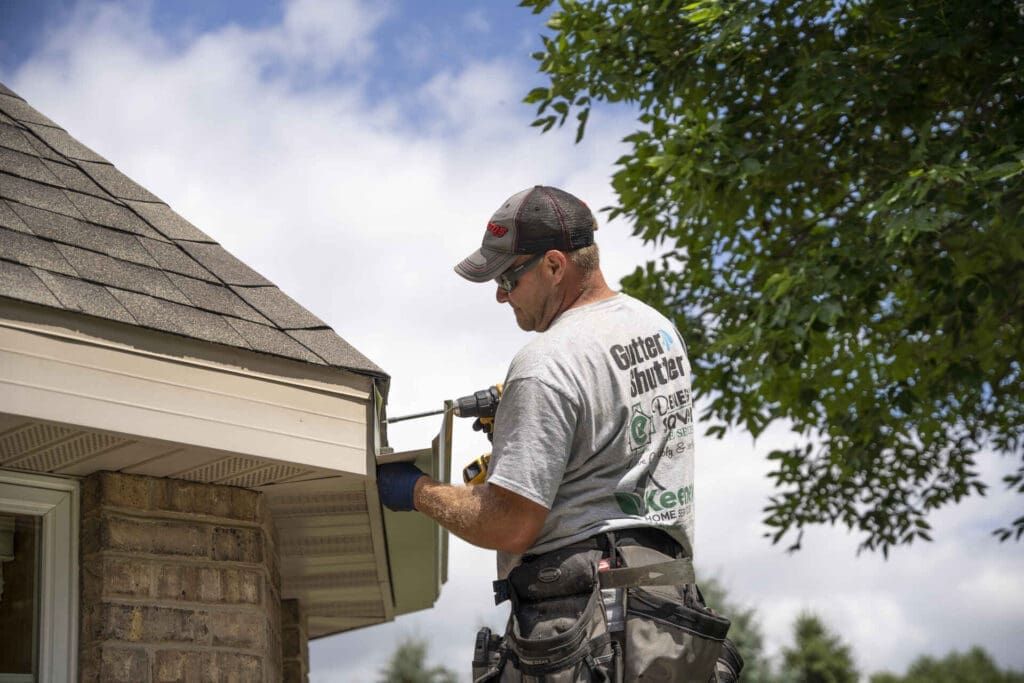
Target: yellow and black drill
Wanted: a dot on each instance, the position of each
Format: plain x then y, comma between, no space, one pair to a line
482,405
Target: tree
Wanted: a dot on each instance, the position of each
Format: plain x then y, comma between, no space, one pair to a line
976,666
817,656
839,186
408,664
745,632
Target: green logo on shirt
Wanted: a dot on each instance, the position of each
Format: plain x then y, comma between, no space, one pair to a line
630,503
641,427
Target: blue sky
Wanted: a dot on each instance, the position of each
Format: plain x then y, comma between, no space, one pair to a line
351,152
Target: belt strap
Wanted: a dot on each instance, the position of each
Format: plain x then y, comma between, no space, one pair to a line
671,573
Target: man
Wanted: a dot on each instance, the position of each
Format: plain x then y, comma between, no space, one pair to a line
594,430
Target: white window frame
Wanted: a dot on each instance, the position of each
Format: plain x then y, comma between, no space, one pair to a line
56,501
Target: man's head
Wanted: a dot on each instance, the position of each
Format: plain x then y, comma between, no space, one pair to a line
539,249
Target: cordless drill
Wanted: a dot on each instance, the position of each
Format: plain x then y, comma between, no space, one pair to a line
482,405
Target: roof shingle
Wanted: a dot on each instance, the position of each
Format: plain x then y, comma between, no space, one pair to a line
29,250
222,264
72,178
173,258
37,194
122,274
62,143
67,230
12,137
184,320
279,307
76,295
117,183
217,298
111,214
333,349
272,340
19,109
9,219
169,223
21,279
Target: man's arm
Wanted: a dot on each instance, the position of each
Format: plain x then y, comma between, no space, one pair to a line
484,515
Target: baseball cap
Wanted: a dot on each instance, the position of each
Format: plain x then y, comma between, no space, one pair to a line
529,222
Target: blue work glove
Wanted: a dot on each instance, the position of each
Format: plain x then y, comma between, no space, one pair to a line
396,483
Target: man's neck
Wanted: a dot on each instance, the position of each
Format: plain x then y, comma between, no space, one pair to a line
590,290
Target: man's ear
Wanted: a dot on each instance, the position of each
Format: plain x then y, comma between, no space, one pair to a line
556,263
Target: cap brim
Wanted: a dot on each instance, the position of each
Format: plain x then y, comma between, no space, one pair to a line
484,264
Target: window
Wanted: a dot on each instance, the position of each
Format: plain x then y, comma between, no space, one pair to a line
39,563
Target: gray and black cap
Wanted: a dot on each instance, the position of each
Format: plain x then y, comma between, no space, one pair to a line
529,222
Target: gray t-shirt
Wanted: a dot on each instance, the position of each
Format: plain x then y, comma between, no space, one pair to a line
596,424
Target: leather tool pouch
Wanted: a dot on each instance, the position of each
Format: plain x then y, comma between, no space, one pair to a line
557,631
671,635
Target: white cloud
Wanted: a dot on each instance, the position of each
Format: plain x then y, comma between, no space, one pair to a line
359,207
477,21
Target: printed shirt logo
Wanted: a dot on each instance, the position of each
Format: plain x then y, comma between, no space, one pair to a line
641,427
497,230
659,429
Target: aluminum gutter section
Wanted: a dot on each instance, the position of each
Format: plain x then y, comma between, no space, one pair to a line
417,545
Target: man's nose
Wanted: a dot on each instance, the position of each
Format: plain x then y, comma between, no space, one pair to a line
501,295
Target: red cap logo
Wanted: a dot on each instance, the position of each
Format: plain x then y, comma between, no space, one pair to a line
497,230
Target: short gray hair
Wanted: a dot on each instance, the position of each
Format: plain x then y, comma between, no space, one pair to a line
586,259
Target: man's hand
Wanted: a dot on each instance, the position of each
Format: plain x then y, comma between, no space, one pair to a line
485,427
396,483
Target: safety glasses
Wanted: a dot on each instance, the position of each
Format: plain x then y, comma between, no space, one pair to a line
510,278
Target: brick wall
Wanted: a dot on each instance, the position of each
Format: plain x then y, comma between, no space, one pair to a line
294,643
179,582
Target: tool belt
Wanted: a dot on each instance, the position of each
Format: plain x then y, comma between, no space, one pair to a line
618,606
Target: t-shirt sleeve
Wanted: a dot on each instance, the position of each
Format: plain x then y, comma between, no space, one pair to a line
533,436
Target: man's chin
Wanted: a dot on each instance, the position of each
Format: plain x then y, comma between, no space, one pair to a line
524,324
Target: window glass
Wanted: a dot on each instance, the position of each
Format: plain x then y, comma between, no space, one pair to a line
19,595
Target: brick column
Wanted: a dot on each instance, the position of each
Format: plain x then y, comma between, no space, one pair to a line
294,643
179,582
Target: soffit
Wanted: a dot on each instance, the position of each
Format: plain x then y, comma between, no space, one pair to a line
330,546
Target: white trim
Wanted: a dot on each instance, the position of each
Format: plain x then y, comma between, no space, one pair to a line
46,377
355,385
56,500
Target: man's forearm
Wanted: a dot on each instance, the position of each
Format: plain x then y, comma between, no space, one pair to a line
484,515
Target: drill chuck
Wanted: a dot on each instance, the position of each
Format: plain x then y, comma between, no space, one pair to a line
483,403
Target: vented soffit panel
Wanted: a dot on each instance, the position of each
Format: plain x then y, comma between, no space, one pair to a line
330,544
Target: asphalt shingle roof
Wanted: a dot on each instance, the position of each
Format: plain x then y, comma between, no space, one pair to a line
79,235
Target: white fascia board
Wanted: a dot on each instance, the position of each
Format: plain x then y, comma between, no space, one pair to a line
71,378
